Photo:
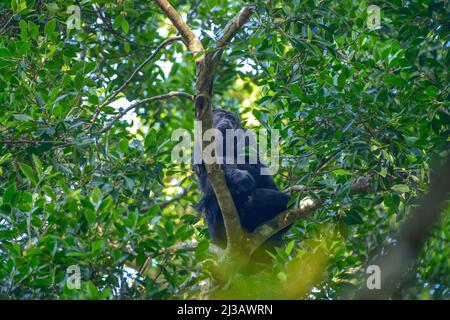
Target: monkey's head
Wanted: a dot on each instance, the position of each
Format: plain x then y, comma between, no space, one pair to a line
223,119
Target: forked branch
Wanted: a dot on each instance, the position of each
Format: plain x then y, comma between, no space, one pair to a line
206,62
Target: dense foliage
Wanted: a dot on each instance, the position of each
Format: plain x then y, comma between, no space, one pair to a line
348,100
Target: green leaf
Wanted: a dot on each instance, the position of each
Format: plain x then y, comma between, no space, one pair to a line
96,245
96,197
289,247
92,290
23,30
89,215
5,157
50,27
4,53
117,22
23,25
37,165
123,145
431,91
49,192
125,25
383,172
28,172
402,188
340,172
295,89
23,117
57,110
9,194
352,217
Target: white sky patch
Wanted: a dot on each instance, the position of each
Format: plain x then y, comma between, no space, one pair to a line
130,275
210,33
166,66
247,67
163,32
250,118
198,33
130,117
174,189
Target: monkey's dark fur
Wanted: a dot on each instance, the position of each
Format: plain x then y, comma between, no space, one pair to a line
256,197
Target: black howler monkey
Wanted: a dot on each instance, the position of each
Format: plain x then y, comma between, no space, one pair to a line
256,197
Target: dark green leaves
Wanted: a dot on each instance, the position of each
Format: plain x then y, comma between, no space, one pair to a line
352,217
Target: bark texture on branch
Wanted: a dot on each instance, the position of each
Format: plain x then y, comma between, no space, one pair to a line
307,206
206,63
189,38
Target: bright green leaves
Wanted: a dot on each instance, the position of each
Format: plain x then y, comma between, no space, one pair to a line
29,173
50,27
96,197
123,145
296,90
9,194
96,245
5,53
5,157
90,216
401,188
23,30
121,22
348,102
340,172
20,7
38,165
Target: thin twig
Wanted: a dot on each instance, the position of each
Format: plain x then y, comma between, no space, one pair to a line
146,101
135,72
6,24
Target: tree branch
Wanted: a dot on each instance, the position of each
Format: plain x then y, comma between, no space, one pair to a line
168,202
281,221
231,29
203,91
189,38
135,72
411,237
146,101
307,207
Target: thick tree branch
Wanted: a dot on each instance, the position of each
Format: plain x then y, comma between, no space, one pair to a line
135,72
146,101
189,38
203,91
286,218
231,29
398,258
306,208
